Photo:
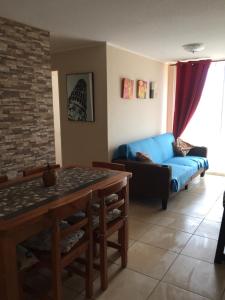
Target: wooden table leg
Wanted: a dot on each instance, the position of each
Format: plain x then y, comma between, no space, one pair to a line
9,274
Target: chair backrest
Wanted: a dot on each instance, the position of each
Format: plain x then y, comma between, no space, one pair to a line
120,189
36,170
107,165
113,188
75,239
3,179
61,213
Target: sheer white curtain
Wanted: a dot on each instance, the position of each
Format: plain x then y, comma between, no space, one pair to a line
207,126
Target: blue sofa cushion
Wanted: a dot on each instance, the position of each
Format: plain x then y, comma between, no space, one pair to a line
180,175
165,146
159,148
191,161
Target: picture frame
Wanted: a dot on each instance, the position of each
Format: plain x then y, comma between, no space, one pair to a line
141,89
80,97
152,86
127,90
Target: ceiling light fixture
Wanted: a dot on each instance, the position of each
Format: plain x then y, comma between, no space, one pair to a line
194,47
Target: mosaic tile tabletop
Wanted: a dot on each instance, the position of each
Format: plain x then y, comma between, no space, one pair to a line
25,196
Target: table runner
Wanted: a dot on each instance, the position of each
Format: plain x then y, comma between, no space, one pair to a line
24,196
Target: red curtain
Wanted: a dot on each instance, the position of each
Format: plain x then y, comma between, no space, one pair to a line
190,81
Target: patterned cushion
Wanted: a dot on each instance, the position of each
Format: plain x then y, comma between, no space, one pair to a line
112,215
76,217
143,157
181,148
25,258
108,200
43,241
111,198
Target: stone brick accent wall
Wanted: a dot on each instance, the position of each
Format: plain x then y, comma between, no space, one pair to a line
26,108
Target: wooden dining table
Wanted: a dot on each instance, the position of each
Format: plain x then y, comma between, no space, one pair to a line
24,208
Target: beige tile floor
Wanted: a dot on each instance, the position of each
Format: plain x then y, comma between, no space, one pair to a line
170,252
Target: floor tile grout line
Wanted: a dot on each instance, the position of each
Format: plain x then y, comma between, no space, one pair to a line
205,237
162,248
170,227
191,235
200,259
170,267
177,254
174,212
187,290
153,290
208,212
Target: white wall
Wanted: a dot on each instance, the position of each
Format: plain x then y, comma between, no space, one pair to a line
56,113
129,120
83,142
117,120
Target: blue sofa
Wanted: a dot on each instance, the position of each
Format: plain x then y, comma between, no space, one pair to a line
168,173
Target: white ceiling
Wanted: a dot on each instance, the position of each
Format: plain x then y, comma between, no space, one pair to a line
155,28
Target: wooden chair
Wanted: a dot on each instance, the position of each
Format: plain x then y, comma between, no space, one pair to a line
26,259
84,246
68,243
36,170
112,197
108,223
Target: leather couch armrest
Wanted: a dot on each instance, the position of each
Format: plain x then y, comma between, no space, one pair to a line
132,165
148,179
198,151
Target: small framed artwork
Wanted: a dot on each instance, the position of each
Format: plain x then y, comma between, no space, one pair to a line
151,89
80,99
141,89
127,88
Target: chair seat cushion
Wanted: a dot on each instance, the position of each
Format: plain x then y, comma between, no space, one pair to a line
196,162
76,217
111,198
25,258
112,215
43,241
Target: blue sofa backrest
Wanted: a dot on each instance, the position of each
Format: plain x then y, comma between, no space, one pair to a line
159,148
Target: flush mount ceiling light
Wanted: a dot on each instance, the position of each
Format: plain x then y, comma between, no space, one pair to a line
195,47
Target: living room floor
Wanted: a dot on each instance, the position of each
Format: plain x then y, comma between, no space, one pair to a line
171,252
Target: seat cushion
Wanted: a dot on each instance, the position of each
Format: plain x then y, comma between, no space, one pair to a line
25,258
183,168
111,198
43,241
76,217
180,175
190,161
112,215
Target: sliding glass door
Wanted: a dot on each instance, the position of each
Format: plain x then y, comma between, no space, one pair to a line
207,126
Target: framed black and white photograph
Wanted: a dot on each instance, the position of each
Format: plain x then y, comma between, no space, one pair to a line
80,97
